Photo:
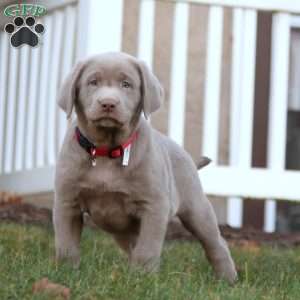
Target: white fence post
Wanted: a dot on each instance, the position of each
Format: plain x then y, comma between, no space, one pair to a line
4,65
146,31
178,73
242,103
42,116
278,105
100,26
235,204
9,149
67,61
56,61
33,97
213,83
22,101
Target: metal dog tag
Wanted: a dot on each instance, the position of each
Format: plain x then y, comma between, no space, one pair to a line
126,156
93,157
93,162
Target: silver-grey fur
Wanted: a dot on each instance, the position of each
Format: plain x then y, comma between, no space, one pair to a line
135,202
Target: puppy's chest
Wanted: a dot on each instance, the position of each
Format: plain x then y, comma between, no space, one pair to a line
103,180
108,199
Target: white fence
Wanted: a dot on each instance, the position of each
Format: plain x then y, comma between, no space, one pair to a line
32,128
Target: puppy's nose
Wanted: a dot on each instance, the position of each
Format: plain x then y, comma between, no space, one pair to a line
109,104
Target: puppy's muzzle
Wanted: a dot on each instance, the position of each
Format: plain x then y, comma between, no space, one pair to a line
109,105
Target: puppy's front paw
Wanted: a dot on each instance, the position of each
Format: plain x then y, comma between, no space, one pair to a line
147,263
69,255
226,270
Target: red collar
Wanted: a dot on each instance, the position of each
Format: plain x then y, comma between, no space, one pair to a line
104,150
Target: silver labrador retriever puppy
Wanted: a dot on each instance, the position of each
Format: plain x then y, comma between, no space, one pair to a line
128,176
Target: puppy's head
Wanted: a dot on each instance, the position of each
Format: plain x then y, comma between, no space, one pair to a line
110,90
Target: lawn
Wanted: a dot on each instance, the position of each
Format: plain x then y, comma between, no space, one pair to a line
26,255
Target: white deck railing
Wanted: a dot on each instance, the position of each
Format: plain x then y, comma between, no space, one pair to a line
32,128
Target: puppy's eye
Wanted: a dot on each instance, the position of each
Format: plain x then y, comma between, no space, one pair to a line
125,84
93,82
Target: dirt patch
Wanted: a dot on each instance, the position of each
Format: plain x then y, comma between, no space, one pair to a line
23,213
241,237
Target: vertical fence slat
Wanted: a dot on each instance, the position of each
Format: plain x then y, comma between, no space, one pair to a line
243,80
178,73
278,105
56,43
30,146
146,31
213,82
234,204
4,64
68,56
248,86
10,111
100,26
22,107
42,117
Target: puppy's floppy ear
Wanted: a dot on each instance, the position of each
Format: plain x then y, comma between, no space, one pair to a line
151,90
67,94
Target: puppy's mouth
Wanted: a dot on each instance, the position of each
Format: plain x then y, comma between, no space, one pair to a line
107,122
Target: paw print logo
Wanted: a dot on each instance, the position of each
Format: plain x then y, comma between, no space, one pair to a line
24,31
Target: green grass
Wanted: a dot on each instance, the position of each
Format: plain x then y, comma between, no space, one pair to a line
26,255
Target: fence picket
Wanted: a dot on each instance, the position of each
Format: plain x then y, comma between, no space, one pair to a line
178,73
42,116
56,60
146,31
235,204
100,27
9,141
4,64
30,148
213,83
242,102
278,105
68,57
21,111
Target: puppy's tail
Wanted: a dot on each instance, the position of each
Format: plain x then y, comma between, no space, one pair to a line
204,161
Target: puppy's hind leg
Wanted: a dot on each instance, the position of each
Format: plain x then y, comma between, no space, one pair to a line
199,218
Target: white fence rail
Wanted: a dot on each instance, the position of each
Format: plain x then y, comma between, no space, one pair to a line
289,6
29,141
